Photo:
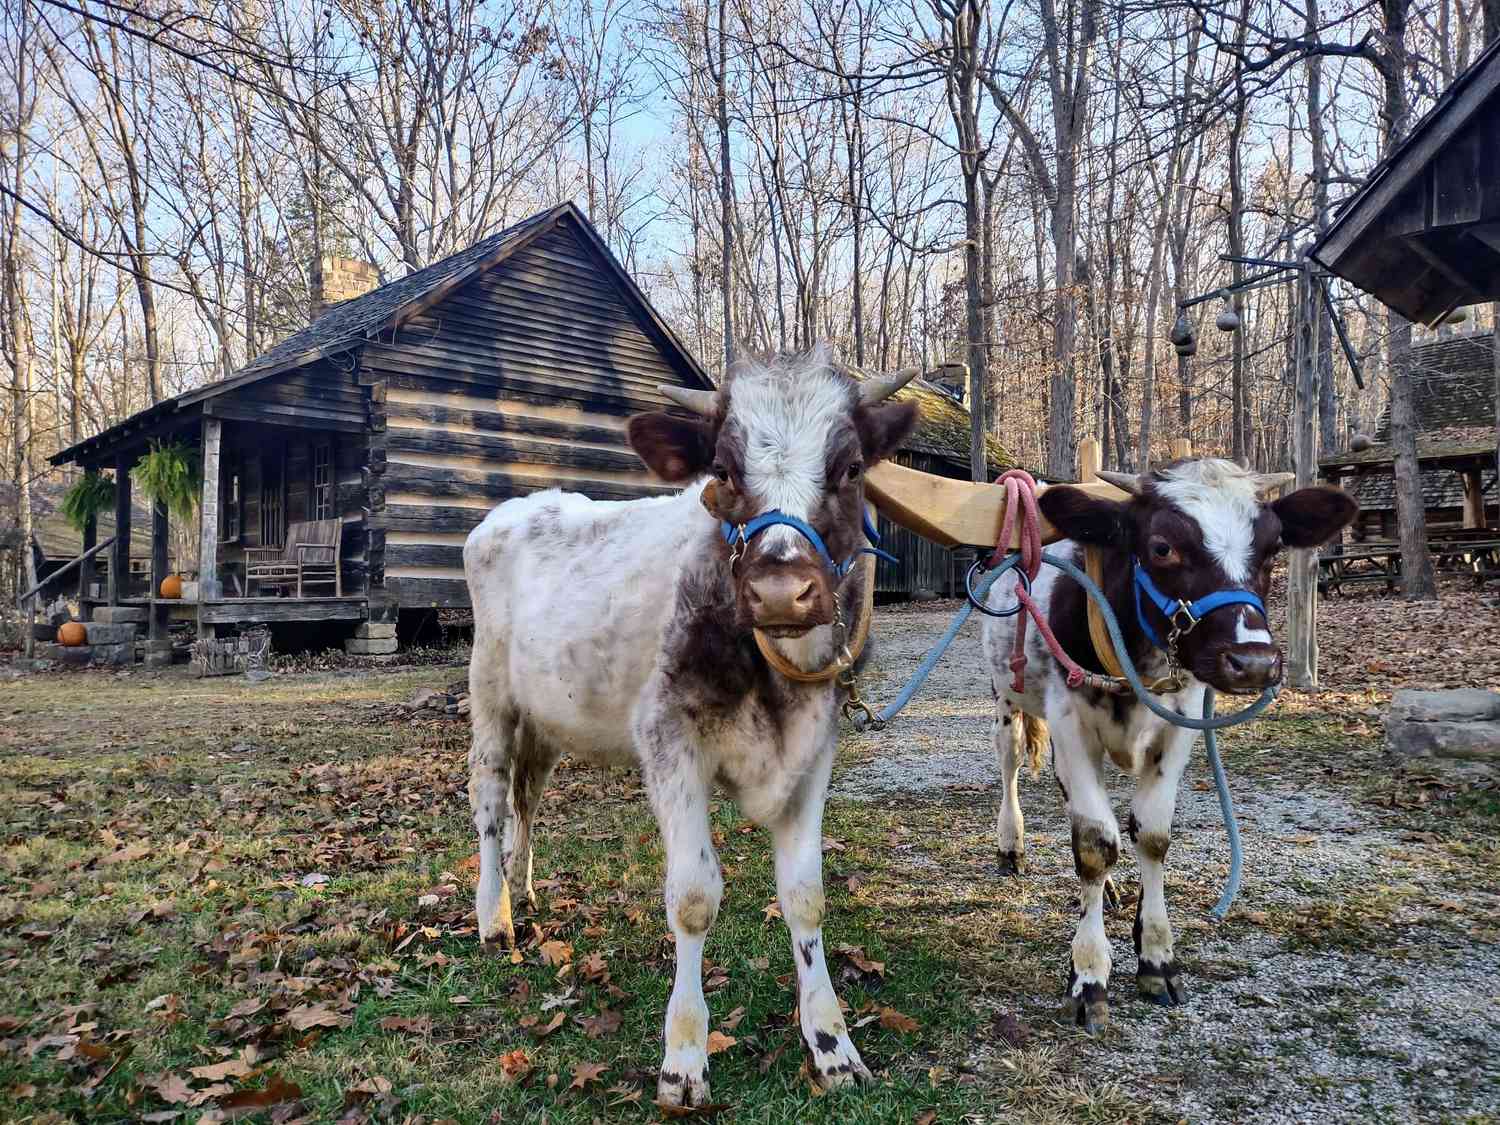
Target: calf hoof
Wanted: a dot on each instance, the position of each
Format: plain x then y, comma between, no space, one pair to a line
1161,984
832,1061
686,1088
1087,1005
1013,861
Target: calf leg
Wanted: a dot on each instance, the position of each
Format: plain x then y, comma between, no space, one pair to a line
533,766
491,762
679,794
1008,732
1151,810
798,842
1096,847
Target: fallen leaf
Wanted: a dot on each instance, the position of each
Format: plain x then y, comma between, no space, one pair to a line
1008,1028
276,1091
585,1073
315,1015
417,1025
217,1072
556,952
605,1023
895,1021
925,1117
516,1065
732,1020
361,1092
169,1087
680,1112
129,854
718,1041
542,1031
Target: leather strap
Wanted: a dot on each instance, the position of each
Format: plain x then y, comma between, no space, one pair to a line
841,663
1093,566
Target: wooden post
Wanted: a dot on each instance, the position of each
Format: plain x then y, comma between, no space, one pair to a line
158,568
208,518
119,556
1473,499
1090,460
1302,565
86,568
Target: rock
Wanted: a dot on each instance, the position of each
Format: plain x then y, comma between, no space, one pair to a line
437,701
115,655
120,615
73,655
373,646
463,705
1461,723
419,700
316,879
158,658
102,634
375,631
161,644
40,632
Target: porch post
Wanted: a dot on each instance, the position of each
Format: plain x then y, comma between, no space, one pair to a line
158,568
1473,498
208,514
119,558
86,568
1302,565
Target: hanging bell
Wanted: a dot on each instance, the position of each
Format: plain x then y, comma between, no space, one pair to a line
1228,320
1182,336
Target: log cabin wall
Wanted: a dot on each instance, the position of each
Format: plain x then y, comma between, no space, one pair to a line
521,379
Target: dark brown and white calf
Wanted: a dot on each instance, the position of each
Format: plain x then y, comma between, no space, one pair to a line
622,633
1196,527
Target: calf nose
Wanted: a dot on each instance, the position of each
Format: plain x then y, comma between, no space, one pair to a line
782,598
1250,667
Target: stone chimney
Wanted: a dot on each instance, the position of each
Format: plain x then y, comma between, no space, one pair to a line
953,378
335,279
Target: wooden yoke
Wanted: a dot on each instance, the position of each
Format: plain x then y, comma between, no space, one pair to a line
959,513
954,513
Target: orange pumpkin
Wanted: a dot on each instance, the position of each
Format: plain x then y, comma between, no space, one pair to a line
72,634
171,586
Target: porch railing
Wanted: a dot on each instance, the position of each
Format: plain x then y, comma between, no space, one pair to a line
26,603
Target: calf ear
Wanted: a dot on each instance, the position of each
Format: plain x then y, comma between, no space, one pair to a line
1312,516
883,428
1084,518
675,449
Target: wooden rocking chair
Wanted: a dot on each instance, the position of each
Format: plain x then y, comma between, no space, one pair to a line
309,557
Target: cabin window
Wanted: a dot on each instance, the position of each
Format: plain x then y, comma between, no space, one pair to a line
231,501
322,481
272,501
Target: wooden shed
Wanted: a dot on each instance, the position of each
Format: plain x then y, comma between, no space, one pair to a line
1423,232
405,415
1453,389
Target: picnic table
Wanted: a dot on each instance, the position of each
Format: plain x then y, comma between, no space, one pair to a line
1469,551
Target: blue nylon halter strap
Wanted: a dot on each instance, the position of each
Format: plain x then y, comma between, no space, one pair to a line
743,533
1171,608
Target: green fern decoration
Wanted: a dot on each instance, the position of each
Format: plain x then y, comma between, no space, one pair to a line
89,495
169,475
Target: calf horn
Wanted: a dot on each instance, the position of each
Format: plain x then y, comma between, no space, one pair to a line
705,403
1267,482
882,387
1125,482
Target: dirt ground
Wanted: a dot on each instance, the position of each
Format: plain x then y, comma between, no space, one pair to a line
217,895
1356,976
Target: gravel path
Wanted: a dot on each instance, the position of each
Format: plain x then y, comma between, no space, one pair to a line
1355,979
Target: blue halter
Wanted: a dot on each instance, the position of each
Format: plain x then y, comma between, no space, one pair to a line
1184,615
742,534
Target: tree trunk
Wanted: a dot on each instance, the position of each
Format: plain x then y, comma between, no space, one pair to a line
726,189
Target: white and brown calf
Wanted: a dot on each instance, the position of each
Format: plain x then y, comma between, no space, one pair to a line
621,633
1195,527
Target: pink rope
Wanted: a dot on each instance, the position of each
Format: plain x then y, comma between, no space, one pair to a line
1020,493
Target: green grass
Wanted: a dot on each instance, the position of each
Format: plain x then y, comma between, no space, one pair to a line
157,834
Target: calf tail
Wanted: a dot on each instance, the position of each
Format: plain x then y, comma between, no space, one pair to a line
1034,730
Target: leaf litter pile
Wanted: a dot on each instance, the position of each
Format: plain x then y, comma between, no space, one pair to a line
276,922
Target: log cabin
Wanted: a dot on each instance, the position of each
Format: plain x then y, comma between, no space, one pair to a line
406,411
